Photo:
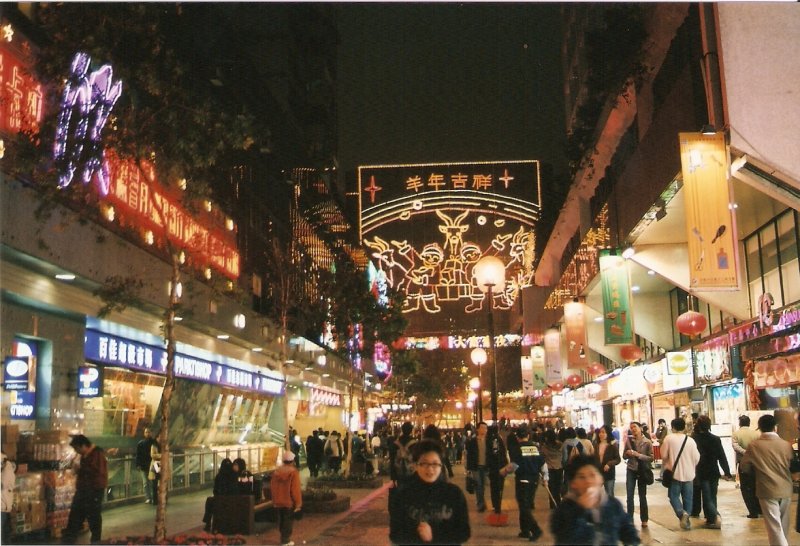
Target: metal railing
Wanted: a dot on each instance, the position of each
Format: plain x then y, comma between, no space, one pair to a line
190,470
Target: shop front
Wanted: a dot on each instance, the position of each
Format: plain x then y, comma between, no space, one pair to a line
318,408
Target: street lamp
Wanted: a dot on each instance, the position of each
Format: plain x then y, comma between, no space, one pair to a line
490,272
479,358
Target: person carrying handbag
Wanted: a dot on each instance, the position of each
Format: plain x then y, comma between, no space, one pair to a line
680,456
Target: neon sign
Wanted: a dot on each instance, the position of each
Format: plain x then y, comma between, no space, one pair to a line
427,226
85,106
21,98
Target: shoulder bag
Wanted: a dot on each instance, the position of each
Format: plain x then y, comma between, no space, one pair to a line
666,476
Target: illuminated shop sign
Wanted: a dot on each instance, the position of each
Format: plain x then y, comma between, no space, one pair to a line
90,382
427,225
147,206
383,361
16,373
787,317
133,355
713,360
23,405
21,96
431,343
678,371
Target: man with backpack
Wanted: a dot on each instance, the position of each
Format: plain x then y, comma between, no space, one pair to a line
400,455
486,456
572,446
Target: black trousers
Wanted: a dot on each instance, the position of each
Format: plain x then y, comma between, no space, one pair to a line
747,485
525,491
496,483
556,477
86,506
6,528
285,523
313,466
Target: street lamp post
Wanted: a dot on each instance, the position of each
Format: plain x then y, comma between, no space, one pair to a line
476,386
490,273
479,358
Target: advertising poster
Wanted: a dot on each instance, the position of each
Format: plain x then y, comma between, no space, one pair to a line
16,373
616,287
710,218
678,371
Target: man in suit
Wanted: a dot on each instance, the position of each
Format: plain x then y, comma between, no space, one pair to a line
769,457
747,480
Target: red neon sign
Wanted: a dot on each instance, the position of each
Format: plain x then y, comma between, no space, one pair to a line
21,96
148,206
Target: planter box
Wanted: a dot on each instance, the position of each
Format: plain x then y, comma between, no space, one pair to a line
339,504
373,483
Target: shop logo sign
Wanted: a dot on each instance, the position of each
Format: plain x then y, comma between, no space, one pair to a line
22,405
89,382
16,372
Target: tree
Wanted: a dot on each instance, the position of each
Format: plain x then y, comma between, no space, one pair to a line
166,123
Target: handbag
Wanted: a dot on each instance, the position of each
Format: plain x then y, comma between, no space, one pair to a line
646,472
471,483
666,476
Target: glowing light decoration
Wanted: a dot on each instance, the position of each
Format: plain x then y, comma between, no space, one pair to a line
21,96
427,225
85,106
383,361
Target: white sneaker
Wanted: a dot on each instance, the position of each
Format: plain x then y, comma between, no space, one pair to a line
686,523
290,543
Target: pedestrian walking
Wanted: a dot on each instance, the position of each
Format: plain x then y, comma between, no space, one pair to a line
606,451
638,454
287,497
334,451
680,456
551,449
531,466
143,461
712,456
401,457
7,481
314,452
90,485
486,455
770,457
587,515
742,438
428,509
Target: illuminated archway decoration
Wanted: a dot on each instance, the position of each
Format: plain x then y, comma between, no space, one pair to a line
85,106
428,224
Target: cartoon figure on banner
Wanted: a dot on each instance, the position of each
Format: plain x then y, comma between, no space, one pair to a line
384,254
421,287
453,230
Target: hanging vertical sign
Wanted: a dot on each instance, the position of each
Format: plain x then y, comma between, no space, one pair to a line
552,350
710,214
576,334
526,365
616,287
538,367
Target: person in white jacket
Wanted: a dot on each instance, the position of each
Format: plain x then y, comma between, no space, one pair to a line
7,480
682,473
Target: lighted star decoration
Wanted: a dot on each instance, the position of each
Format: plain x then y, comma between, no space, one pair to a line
372,189
8,33
85,107
505,179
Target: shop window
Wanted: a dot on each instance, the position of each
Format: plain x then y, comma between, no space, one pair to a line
772,261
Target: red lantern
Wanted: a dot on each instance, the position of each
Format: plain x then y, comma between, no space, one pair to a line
596,368
631,353
557,387
574,380
691,323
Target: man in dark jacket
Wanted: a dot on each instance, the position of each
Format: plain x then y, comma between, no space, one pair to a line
711,454
530,464
143,463
486,455
315,448
92,480
401,468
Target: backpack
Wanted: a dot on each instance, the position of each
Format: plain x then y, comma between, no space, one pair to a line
576,450
403,460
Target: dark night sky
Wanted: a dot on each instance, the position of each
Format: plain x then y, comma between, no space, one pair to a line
449,82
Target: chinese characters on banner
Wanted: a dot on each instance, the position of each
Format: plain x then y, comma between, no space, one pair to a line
552,349
21,96
710,215
538,367
616,287
428,225
526,365
576,333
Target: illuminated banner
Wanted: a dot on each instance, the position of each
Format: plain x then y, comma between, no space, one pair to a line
710,215
427,225
616,287
21,96
382,359
138,203
713,360
134,355
526,365
779,372
552,350
576,334
16,373
538,366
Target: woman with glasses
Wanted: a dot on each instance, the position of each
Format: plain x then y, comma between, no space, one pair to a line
428,510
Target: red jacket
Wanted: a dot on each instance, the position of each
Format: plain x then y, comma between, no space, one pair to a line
93,471
285,487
